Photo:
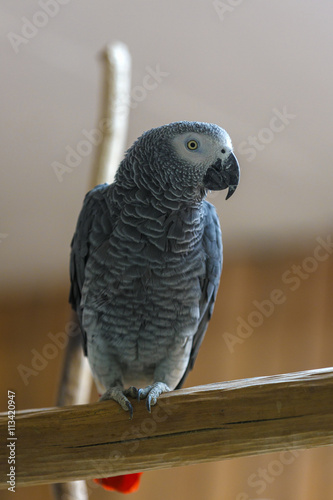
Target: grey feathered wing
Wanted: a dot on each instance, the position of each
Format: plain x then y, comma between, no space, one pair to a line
212,242
92,230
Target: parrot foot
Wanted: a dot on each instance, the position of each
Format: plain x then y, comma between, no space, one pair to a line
152,392
119,395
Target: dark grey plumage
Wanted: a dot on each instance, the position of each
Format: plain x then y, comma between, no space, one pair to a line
147,257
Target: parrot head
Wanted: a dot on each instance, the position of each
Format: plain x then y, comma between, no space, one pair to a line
191,157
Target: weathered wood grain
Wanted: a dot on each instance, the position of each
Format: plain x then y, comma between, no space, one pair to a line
200,424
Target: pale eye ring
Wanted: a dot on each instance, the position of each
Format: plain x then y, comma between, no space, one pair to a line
192,144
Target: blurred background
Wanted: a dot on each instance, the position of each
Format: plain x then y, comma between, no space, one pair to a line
261,70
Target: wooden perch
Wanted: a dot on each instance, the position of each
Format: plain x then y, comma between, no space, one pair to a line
200,424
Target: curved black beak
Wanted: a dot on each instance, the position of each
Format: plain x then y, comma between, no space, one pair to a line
222,175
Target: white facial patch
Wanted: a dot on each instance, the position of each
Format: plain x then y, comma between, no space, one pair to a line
200,149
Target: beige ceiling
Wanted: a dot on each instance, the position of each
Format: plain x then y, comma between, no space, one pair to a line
260,69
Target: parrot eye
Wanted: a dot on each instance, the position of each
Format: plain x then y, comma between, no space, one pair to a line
192,145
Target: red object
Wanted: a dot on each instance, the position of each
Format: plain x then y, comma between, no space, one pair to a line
129,483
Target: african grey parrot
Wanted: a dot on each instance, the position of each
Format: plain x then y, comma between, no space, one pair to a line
146,260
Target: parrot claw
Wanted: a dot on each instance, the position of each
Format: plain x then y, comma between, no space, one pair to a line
119,395
129,409
152,392
132,392
140,394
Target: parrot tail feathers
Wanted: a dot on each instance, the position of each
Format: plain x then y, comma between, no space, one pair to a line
128,483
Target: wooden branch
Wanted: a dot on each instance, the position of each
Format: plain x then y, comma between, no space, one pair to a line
115,112
201,424
76,379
